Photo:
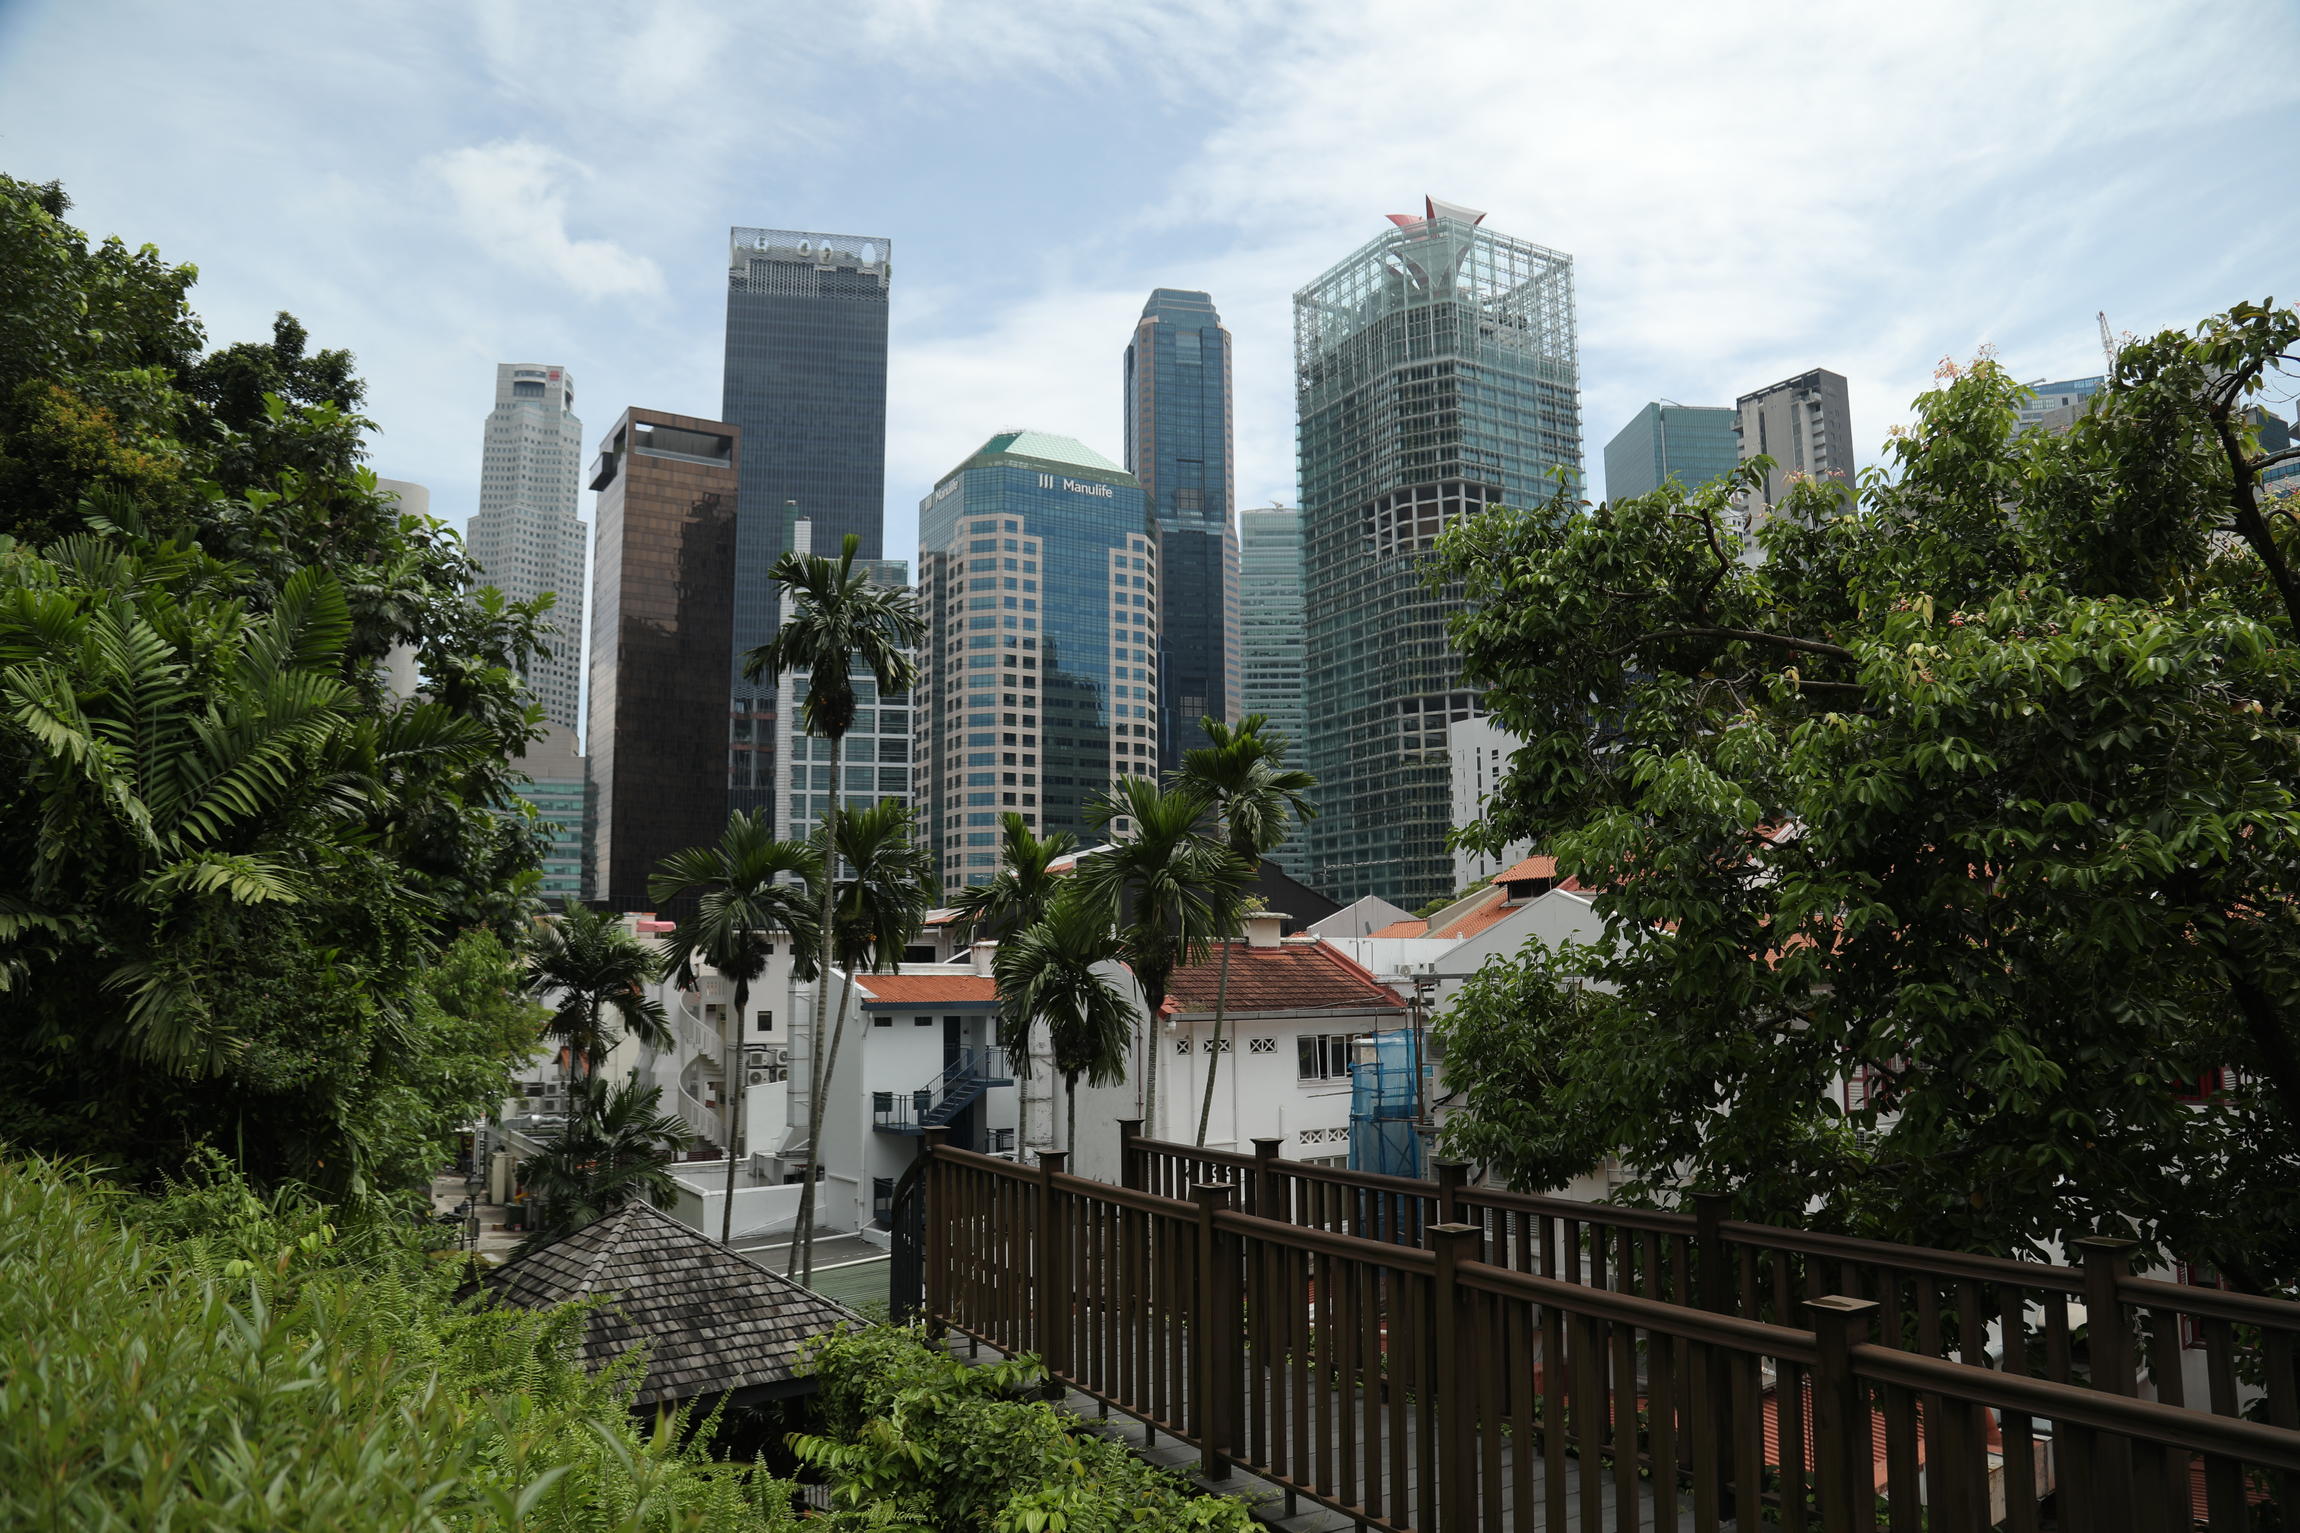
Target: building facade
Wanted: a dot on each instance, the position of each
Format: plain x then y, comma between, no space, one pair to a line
558,789
2058,403
1272,647
1690,444
805,385
1178,437
1038,577
527,539
1435,376
661,612
874,758
1805,425
1479,751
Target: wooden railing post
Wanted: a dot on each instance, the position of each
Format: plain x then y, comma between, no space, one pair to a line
2107,1263
1215,1318
1452,1176
1456,1364
1269,1195
1129,1158
936,1218
1713,1284
1052,1241
1844,1458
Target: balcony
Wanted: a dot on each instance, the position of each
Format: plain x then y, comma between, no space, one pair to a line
933,1105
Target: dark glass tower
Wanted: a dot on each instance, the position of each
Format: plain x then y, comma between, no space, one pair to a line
806,383
1178,447
1435,375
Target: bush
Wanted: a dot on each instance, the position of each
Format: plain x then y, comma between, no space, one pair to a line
212,1361
915,1439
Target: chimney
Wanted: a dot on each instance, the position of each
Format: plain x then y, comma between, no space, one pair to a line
984,952
1263,928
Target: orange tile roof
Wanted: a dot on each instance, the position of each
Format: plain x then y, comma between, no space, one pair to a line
1491,906
1533,867
1414,928
926,989
1293,976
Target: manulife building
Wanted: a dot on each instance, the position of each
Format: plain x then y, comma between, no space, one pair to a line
1038,575
1435,376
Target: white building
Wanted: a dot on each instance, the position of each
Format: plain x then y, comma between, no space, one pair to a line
527,538
1478,750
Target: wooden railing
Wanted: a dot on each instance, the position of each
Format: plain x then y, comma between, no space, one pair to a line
1419,1371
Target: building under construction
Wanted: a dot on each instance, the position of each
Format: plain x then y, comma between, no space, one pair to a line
1436,375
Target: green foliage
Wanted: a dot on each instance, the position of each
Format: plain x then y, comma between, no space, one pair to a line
594,974
219,1360
1982,781
229,860
616,1147
1017,895
915,1439
1048,975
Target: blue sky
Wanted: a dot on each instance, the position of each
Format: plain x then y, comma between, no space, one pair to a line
1748,190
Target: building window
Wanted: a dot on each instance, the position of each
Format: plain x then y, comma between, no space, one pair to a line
1325,1056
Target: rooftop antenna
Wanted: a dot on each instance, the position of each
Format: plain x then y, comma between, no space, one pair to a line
2107,343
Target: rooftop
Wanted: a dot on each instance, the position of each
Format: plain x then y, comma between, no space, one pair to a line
927,989
1046,447
710,1319
1293,976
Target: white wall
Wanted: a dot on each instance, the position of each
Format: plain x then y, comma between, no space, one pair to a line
759,1211
1478,751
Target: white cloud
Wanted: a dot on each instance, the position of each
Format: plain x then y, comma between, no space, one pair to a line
511,197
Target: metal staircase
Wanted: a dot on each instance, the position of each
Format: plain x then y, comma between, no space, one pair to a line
970,1073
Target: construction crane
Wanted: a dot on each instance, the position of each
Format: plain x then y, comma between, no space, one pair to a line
2107,343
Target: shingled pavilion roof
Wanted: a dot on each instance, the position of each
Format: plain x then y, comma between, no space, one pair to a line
712,1321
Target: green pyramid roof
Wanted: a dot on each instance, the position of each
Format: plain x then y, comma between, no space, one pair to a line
1049,448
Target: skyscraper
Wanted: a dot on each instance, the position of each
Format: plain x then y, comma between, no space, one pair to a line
558,789
661,613
805,384
2057,404
1038,574
1805,425
875,755
1435,375
1177,387
1271,640
1691,444
527,538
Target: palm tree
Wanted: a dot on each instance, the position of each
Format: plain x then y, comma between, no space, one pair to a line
881,902
1257,799
618,1149
1018,896
589,966
750,886
836,617
1166,886
1046,973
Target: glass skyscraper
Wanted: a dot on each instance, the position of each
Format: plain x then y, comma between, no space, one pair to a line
1038,574
1691,444
1435,375
875,755
805,382
1177,388
1271,640
527,538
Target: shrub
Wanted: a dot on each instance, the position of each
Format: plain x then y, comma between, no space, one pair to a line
915,1439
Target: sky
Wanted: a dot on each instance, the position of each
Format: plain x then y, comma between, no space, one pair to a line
1747,190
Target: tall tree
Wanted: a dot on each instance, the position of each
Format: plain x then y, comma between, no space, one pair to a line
1257,799
1017,896
594,975
886,886
1165,886
748,889
835,619
230,859
1048,974
1977,789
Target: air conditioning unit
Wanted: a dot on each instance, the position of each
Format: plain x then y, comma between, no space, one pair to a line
762,1077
